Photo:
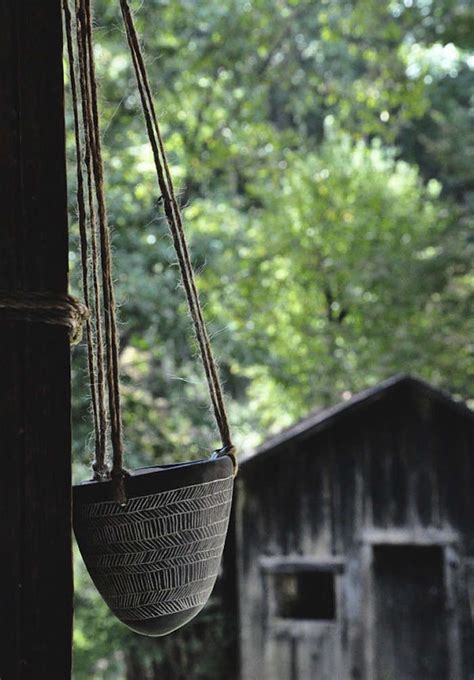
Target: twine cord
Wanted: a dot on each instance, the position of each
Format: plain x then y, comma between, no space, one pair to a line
96,386
96,259
175,223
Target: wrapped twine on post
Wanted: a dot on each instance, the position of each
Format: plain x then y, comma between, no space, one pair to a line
45,307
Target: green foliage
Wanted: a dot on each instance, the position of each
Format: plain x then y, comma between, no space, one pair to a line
323,153
99,638
340,273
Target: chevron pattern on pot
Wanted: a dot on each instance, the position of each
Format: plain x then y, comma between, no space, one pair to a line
160,554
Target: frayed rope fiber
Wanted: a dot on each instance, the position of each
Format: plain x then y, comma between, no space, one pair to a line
96,256
45,307
175,223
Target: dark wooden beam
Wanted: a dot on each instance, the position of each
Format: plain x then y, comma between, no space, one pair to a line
35,483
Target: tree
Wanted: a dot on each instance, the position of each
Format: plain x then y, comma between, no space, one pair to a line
340,281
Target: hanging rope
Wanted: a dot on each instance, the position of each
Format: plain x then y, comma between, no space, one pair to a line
94,332
175,223
96,260
102,335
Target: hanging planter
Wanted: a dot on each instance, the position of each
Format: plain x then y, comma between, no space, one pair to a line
151,539
156,559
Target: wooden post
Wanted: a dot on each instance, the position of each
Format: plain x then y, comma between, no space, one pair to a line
35,482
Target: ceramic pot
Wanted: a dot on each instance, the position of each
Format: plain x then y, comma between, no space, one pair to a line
155,560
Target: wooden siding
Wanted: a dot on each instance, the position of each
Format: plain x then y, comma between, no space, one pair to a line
400,471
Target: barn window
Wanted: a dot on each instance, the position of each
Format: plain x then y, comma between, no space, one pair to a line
302,588
305,595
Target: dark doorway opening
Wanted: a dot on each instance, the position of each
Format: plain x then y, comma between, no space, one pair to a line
411,641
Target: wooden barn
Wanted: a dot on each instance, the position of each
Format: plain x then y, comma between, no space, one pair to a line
355,542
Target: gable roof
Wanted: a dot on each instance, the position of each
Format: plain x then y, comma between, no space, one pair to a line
322,419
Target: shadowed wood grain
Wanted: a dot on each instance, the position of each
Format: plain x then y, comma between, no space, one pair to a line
35,496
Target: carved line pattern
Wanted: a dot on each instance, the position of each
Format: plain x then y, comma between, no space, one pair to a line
152,611
157,564
189,505
154,596
156,500
161,526
162,580
144,556
173,540
161,554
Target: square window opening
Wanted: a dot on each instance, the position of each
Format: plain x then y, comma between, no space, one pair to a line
305,595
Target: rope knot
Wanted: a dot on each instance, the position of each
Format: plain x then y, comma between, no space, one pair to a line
101,471
231,451
118,477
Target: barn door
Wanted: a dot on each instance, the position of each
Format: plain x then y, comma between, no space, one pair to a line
410,634
318,654
303,636
307,652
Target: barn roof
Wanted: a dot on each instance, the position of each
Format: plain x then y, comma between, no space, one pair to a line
322,419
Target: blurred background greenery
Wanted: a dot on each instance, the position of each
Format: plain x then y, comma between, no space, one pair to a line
323,151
